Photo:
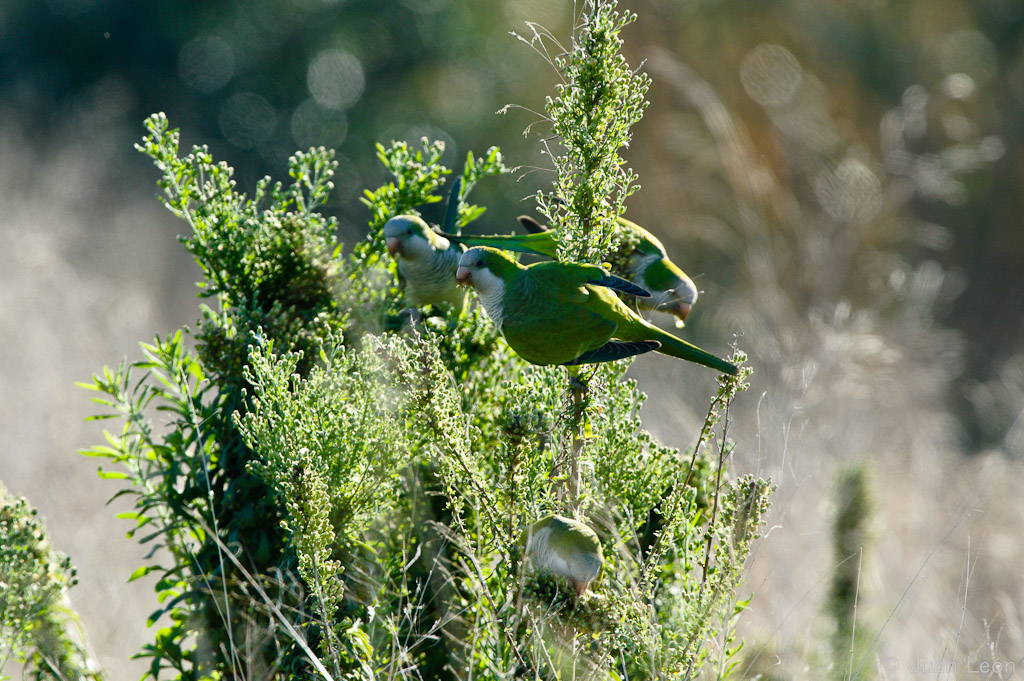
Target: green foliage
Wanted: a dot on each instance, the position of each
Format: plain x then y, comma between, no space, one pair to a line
474,170
269,259
331,448
177,478
339,492
37,628
596,104
851,538
288,496
340,419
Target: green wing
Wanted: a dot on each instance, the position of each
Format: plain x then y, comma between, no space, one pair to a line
557,274
613,350
620,284
568,281
546,317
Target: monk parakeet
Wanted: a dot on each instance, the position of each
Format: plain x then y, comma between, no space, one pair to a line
641,259
566,313
566,547
426,262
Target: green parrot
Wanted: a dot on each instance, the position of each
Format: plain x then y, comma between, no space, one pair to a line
566,547
642,259
426,262
566,313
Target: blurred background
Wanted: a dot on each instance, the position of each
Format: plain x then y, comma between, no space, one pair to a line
843,180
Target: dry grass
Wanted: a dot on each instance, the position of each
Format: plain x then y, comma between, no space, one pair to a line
850,367
89,266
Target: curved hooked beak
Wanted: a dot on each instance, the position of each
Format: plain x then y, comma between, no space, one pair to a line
681,310
462,276
394,245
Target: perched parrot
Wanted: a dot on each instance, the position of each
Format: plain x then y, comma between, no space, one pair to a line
566,547
426,262
643,261
566,313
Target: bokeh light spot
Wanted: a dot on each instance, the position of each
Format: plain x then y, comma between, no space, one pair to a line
991,148
314,126
915,98
335,79
458,94
851,192
206,63
806,119
958,86
771,75
968,51
247,120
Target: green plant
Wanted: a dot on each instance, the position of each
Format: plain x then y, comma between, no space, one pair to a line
851,538
341,493
596,103
37,626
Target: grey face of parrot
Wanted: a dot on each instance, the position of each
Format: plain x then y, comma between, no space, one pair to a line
684,296
396,230
473,271
404,236
469,262
677,302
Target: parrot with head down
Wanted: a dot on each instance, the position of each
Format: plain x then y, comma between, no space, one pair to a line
567,313
642,260
566,547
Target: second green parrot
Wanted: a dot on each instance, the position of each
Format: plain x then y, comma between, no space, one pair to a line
566,313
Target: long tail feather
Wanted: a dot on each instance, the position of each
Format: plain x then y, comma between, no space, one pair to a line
537,244
676,347
531,225
452,214
620,284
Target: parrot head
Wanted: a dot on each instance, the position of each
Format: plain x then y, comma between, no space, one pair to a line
672,290
485,269
410,237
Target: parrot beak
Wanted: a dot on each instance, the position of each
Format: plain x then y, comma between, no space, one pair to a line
462,277
394,245
681,310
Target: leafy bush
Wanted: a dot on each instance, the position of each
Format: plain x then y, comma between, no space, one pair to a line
37,627
341,493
